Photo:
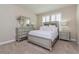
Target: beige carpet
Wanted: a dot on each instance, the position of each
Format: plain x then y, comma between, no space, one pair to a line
27,48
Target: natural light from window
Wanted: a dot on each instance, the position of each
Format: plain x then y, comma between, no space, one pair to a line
51,18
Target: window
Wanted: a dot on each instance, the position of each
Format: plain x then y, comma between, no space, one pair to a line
45,19
27,21
54,17
58,17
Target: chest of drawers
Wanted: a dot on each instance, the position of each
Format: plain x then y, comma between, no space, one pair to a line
22,32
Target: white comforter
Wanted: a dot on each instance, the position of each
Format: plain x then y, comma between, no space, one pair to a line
45,34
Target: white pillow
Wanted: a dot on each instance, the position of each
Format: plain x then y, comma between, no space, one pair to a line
52,27
43,27
48,28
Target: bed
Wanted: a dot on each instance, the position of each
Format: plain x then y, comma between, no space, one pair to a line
44,37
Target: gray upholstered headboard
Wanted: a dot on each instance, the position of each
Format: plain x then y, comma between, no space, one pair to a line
56,23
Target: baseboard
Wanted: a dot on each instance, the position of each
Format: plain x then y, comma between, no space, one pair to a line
2,43
72,40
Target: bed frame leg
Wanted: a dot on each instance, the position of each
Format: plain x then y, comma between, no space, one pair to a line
50,49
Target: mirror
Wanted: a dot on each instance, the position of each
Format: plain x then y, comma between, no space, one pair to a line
24,21
27,21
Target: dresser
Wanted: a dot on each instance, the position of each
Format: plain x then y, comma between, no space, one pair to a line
22,32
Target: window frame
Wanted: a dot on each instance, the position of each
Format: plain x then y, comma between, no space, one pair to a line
50,17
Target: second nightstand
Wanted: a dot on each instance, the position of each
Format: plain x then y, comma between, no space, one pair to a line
65,35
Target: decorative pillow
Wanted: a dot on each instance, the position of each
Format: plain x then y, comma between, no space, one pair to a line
43,27
48,28
52,27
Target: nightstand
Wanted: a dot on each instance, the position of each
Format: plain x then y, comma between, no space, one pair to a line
64,35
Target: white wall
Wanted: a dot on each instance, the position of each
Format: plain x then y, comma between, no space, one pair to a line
8,23
21,11
77,23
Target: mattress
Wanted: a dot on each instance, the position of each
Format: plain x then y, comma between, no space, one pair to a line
44,34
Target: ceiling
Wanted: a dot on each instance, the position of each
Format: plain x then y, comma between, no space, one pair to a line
41,8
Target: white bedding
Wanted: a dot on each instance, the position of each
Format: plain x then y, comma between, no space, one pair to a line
45,34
